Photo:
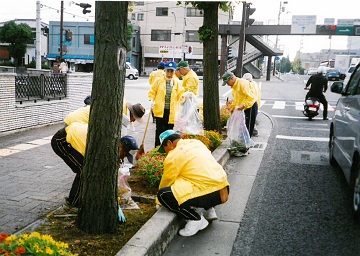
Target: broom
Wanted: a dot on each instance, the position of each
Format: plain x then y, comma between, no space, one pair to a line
141,150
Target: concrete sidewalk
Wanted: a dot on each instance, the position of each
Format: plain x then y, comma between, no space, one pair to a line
33,179
159,235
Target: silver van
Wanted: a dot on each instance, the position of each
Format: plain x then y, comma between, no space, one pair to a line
344,144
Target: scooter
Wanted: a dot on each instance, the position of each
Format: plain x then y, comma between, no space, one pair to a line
311,107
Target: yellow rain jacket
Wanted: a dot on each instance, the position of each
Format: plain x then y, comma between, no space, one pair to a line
156,74
190,82
76,134
157,94
243,93
78,115
192,171
257,91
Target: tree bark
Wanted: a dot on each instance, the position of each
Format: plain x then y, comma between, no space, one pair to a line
211,104
99,207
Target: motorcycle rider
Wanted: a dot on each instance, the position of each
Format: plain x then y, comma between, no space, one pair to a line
318,86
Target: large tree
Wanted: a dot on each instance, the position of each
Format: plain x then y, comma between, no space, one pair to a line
18,36
99,207
209,35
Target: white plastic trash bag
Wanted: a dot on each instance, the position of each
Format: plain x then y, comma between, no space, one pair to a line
187,120
237,132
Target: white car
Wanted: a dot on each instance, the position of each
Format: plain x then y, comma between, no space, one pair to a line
131,72
344,144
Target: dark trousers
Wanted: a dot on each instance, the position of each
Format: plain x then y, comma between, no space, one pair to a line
188,209
323,101
162,124
73,159
250,117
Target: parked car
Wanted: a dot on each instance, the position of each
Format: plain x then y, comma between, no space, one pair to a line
131,72
334,74
344,143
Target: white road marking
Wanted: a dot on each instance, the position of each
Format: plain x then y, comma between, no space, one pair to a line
302,138
279,105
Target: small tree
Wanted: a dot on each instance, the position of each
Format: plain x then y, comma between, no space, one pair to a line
99,207
208,35
17,36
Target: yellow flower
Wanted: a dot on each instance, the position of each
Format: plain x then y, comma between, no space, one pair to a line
35,234
10,238
61,252
49,251
20,241
47,238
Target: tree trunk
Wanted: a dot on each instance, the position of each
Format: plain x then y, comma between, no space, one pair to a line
210,79
99,207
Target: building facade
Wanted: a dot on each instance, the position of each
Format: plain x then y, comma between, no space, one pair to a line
30,54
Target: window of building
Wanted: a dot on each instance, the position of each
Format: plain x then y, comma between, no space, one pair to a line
89,39
193,12
133,42
160,35
140,16
192,36
139,3
161,11
133,16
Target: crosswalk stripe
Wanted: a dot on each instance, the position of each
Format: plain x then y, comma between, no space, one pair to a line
299,105
279,105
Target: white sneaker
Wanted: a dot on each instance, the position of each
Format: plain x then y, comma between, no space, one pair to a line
210,214
193,226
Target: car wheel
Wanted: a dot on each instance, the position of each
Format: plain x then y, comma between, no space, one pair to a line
131,77
356,192
331,151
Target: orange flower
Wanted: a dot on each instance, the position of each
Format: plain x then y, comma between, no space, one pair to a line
3,236
20,250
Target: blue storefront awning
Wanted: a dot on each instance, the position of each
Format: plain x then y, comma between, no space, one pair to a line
77,59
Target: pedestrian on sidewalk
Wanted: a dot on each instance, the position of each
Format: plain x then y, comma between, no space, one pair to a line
69,143
190,80
192,181
165,94
244,98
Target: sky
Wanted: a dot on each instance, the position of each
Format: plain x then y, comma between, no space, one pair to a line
266,11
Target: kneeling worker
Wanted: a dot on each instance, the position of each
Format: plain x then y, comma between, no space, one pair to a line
192,180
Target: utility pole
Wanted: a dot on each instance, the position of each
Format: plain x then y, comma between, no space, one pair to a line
239,62
38,36
61,29
184,33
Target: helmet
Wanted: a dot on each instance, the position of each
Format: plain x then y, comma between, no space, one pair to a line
87,100
321,70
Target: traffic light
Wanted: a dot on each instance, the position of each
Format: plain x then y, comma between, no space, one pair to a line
327,29
85,6
190,49
249,12
68,35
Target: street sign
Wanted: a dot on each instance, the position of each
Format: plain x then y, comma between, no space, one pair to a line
329,21
345,30
345,22
169,49
303,24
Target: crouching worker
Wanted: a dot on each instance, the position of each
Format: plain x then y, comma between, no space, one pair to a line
69,144
192,181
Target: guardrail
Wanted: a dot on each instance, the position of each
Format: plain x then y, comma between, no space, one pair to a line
34,88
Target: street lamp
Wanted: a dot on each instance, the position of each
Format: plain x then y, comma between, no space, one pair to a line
174,36
281,10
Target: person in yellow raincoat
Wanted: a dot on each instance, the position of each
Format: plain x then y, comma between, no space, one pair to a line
245,98
69,143
190,80
192,181
165,94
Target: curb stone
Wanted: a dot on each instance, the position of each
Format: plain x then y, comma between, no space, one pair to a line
154,237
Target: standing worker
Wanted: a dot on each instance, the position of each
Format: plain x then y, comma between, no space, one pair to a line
165,94
192,181
190,80
318,84
257,89
160,72
244,98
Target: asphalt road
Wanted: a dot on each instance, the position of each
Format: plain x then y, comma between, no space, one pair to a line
299,204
